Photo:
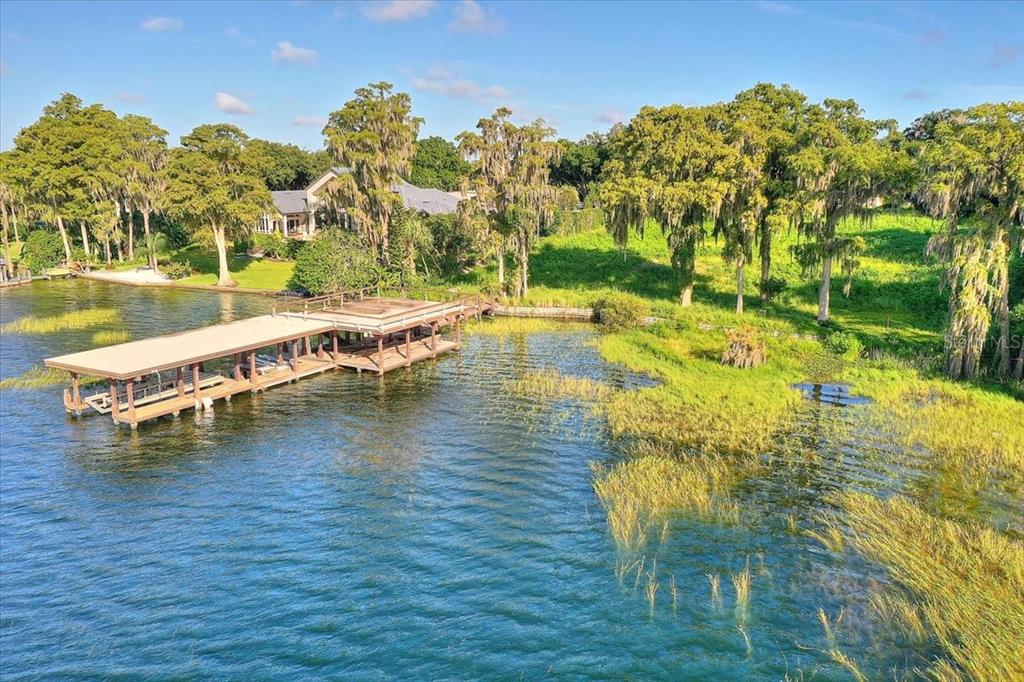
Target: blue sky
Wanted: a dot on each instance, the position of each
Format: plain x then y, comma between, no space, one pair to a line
278,69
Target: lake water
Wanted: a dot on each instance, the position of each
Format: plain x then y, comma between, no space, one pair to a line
427,525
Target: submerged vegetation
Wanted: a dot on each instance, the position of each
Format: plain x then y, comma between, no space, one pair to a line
39,377
71,320
109,337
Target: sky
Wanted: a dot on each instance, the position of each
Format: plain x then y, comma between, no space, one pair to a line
277,69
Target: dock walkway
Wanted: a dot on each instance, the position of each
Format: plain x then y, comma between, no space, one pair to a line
304,337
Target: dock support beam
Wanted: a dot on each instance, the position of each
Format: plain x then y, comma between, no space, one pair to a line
334,344
458,332
180,382
197,394
294,358
253,376
433,339
129,387
380,354
115,402
408,347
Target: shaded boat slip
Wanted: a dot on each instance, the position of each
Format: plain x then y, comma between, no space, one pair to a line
166,374
831,394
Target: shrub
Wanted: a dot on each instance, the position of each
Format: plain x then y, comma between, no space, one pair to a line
744,348
334,261
772,287
622,311
176,269
844,344
43,250
273,245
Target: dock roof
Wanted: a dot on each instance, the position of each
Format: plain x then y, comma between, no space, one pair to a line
138,358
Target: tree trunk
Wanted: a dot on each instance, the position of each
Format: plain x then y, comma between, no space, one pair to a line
766,260
1018,370
1004,330
823,294
85,240
686,295
499,252
524,267
8,265
14,218
106,253
120,252
149,241
64,238
741,283
223,275
131,234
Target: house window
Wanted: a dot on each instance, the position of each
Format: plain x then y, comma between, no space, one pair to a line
293,224
265,225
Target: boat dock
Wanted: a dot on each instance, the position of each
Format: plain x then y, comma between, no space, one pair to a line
164,375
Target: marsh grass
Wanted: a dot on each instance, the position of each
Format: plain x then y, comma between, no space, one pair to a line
549,383
716,588
741,583
40,377
644,491
961,584
69,321
109,337
508,326
831,537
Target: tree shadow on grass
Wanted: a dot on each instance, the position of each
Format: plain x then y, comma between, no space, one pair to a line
897,244
573,267
205,262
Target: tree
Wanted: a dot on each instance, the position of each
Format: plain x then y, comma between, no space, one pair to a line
973,162
510,184
373,135
839,169
666,165
210,185
437,163
284,166
334,261
145,147
579,163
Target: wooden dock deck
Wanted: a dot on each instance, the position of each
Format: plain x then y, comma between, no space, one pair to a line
166,374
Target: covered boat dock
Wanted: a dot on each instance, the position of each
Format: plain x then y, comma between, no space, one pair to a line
166,374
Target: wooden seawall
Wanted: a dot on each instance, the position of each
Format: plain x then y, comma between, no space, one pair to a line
164,375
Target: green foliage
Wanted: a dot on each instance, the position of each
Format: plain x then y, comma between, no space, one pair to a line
844,344
177,269
73,319
335,261
283,166
43,249
772,287
579,164
437,163
273,245
623,311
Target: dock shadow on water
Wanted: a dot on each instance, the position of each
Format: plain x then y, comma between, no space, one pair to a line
436,523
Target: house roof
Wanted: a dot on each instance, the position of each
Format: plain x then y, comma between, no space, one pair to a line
290,201
430,201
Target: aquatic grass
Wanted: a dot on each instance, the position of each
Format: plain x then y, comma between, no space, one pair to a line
643,491
109,337
510,326
40,377
964,581
716,588
831,537
549,383
69,321
741,583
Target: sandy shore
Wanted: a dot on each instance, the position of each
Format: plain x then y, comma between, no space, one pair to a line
136,276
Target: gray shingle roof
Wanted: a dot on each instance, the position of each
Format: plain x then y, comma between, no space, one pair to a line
430,201
290,201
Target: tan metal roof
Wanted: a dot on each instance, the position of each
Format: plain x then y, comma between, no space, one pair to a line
137,358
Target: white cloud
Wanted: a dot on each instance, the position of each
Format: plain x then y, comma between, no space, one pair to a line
440,80
157,24
318,121
129,97
230,104
286,52
610,116
471,17
397,10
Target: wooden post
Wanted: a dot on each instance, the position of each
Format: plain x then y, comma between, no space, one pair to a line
252,370
334,344
129,386
458,332
320,348
433,339
238,367
197,394
309,346
295,358
76,400
115,402
380,353
408,347
181,383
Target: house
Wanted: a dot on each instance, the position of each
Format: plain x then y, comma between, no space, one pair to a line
296,215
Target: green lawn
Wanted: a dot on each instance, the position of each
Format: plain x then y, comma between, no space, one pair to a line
250,273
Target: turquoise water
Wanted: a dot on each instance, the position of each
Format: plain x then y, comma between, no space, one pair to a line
427,525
